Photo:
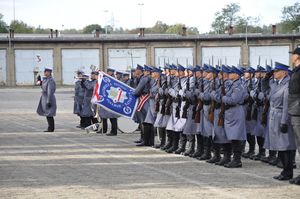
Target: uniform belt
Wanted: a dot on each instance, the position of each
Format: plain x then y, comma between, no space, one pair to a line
229,106
206,102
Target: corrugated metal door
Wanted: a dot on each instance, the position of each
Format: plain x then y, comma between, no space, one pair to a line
30,61
182,56
2,67
221,55
78,59
268,55
125,59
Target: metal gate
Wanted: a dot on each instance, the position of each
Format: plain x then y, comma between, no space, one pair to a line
2,67
31,62
78,59
125,59
263,55
182,56
221,55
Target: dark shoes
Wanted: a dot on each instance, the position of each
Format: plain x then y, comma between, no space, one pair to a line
49,131
295,181
282,177
141,144
233,164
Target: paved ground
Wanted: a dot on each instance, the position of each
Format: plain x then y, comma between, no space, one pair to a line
72,164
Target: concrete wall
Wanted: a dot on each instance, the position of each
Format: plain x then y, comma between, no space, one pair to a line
197,47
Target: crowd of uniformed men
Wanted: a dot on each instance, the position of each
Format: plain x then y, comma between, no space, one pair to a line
210,113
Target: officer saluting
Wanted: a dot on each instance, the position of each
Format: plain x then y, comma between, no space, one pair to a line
234,123
47,104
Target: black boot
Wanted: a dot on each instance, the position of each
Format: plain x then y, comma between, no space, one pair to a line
191,147
50,121
270,157
261,150
237,153
216,154
183,140
147,133
162,136
207,149
251,142
169,140
227,155
199,149
176,137
286,158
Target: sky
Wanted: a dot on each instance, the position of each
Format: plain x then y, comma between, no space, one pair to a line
67,14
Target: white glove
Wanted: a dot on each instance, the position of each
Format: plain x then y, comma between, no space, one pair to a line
160,91
261,96
253,94
188,94
201,95
181,92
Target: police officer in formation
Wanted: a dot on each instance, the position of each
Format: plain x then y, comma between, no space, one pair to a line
78,97
236,106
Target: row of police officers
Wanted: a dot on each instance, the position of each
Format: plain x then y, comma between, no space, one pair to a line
210,113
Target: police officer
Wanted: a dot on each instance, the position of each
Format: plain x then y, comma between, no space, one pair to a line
151,113
143,90
171,84
125,79
280,135
205,96
294,102
104,114
176,123
160,121
234,124
138,74
200,81
188,111
47,103
88,112
78,97
219,135
249,81
119,75
132,78
259,130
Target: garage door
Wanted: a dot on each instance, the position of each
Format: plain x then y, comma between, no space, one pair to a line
182,56
30,61
2,67
268,55
125,59
221,55
78,59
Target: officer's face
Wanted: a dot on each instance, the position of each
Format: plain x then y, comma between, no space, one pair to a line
225,76
233,76
295,58
47,73
247,75
209,76
93,76
204,74
173,72
125,77
110,73
278,75
155,75
180,73
257,75
198,74
190,73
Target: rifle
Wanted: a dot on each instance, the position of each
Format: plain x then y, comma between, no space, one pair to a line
212,106
168,103
264,117
222,112
250,100
158,97
163,106
257,102
199,105
178,100
187,101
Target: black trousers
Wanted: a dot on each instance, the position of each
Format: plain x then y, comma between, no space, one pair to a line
51,126
114,125
148,134
286,158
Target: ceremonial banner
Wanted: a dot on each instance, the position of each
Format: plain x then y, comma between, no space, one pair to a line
115,96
